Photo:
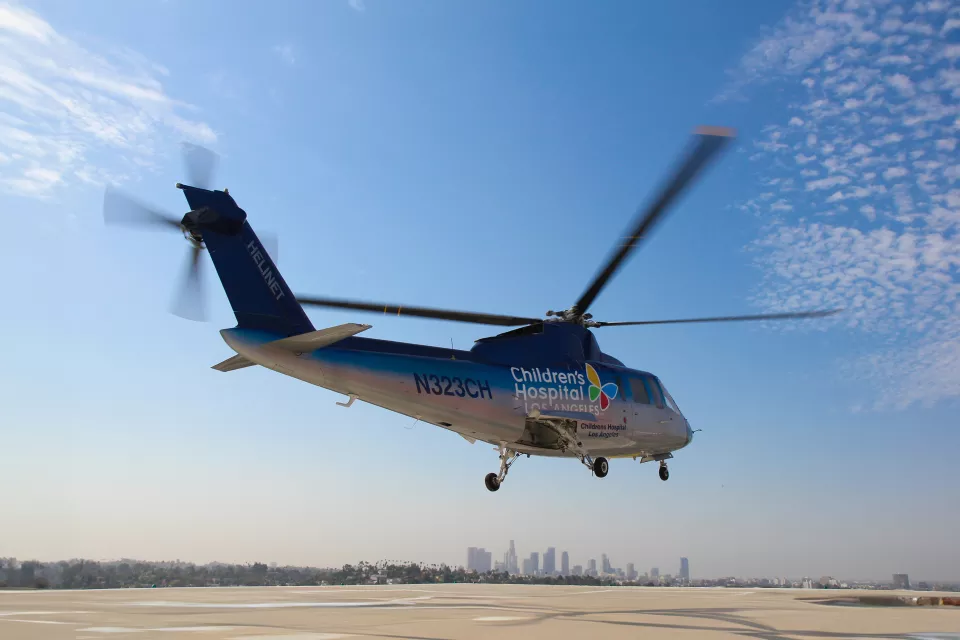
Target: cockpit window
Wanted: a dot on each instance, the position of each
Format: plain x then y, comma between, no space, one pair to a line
639,391
669,399
654,388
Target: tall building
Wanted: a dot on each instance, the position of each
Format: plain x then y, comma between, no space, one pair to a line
655,574
510,560
549,561
684,570
526,570
592,567
631,572
479,559
901,581
605,564
535,563
484,561
564,564
577,570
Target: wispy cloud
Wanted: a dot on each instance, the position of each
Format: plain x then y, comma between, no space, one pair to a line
286,53
63,109
875,229
357,5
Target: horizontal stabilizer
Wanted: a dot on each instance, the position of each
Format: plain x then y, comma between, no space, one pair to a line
234,363
313,340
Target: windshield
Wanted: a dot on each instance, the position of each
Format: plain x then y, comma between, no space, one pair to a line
668,399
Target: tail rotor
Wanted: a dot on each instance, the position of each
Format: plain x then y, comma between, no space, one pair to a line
120,209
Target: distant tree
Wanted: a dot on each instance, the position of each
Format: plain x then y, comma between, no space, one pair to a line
28,572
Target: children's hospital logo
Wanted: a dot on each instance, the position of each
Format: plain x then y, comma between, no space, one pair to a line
606,392
562,390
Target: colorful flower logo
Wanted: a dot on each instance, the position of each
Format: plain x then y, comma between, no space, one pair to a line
606,392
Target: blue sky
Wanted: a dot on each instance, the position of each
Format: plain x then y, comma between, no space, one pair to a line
486,156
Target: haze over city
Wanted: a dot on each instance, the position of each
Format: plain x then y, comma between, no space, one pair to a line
455,155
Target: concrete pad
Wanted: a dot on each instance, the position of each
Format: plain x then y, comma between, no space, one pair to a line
463,611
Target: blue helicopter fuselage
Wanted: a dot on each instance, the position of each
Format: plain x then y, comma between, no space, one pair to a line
497,392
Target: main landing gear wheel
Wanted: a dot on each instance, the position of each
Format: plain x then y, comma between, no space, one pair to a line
601,467
507,458
664,472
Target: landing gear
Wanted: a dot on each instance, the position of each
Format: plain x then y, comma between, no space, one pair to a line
664,472
507,458
601,467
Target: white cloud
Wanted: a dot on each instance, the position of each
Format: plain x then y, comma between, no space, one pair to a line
895,172
826,183
67,112
357,5
886,123
901,83
894,60
24,24
285,51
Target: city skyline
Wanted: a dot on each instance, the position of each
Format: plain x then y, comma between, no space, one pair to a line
536,563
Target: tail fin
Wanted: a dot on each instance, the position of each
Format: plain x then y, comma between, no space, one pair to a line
257,292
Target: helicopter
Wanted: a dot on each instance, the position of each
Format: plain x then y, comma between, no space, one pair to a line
542,388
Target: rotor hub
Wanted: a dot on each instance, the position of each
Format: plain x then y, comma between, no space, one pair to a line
573,316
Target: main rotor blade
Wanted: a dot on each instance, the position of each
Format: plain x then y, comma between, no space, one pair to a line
420,312
119,208
201,164
709,140
766,316
189,301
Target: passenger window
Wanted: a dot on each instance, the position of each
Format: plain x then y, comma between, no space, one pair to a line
639,391
654,389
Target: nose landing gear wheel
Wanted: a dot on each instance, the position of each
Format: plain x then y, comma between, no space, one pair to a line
664,472
492,482
601,467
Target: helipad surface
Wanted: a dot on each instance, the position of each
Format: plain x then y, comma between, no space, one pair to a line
457,611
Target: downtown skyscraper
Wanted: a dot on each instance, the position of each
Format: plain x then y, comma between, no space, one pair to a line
510,561
550,561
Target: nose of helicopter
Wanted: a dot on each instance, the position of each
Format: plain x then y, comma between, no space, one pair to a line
689,434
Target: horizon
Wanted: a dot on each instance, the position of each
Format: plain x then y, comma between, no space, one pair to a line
486,156
643,572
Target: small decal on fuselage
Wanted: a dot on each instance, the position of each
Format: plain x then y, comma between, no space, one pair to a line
432,384
273,282
591,430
